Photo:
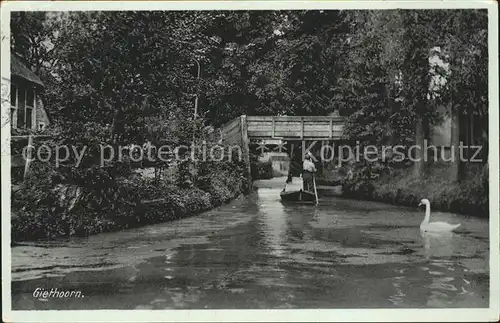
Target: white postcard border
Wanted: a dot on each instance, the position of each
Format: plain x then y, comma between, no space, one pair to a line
319,315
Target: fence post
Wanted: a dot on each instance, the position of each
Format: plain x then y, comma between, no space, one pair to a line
246,148
28,157
301,127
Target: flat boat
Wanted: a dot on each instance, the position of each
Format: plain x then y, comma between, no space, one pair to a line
293,193
298,197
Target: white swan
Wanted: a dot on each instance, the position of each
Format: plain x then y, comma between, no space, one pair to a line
427,226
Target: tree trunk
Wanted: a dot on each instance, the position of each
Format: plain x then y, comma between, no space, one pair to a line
117,126
390,106
455,143
419,165
246,149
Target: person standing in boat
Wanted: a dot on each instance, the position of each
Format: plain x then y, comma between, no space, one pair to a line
308,169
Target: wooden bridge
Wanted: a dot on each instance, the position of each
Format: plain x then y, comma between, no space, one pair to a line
244,129
288,128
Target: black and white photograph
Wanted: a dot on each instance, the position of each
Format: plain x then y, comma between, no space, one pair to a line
163,158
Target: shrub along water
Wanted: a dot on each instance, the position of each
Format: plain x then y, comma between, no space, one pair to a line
469,196
262,170
43,207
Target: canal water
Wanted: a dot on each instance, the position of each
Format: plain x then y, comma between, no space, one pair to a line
259,253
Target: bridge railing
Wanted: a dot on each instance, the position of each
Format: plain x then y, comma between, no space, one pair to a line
295,127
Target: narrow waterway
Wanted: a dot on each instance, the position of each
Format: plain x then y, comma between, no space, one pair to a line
259,253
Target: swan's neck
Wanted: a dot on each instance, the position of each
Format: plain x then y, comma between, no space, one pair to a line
427,214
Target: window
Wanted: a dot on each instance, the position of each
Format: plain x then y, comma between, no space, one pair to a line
13,105
30,104
30,98
12,116
41,126
13,95
25,108
29,117
21,104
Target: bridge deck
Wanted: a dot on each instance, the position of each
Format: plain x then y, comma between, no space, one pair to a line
284,127
293,128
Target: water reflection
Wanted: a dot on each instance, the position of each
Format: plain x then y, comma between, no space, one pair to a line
274,224
437,245
299,227
447,285
398,297
260,253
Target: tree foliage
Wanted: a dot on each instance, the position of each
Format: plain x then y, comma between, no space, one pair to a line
135,74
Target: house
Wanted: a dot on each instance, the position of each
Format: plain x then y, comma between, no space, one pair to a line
280,162
469,128
279,159
27,112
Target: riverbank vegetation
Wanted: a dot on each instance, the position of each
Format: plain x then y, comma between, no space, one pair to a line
260,169
469,196
416,74
118,79
45,207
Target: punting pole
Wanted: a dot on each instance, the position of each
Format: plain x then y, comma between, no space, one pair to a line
315,190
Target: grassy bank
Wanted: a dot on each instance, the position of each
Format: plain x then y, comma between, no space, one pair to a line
468,196
331,177
43,209
262,170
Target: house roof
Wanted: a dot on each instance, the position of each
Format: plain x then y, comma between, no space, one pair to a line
19,69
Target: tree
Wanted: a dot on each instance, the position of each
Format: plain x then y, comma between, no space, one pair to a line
34,37
465,50
387,87
134,74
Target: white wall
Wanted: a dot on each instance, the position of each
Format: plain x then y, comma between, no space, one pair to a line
441,134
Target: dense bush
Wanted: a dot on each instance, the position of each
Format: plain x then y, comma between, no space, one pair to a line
33,205
46,208
47,205
331,176
262,170
469,196
361,177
